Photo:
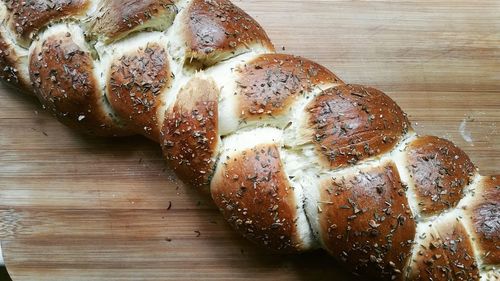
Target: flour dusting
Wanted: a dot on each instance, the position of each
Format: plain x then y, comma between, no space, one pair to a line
465,133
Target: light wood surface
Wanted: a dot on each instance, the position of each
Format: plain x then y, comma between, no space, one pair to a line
74,207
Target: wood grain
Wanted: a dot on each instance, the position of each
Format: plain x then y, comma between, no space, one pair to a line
74,207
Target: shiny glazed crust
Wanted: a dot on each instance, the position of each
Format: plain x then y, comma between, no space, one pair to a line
294,158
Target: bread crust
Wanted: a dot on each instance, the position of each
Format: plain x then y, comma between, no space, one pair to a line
138,80
215,30
190,136
27,17
439,171
253,193
351,123
118,18
293,157
269,84
63,75
11,63
366,221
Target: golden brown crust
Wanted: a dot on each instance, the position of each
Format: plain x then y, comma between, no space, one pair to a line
28,17
351,123
444,252
439,171
363,216
62,74
366,221
217,29
253,192
136,85
270,83
190,132
10,64
118,18
484,213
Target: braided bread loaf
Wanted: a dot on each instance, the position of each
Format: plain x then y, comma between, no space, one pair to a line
294,158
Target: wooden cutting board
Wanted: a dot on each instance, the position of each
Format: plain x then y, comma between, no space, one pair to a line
74,207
